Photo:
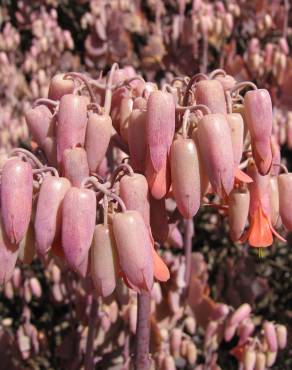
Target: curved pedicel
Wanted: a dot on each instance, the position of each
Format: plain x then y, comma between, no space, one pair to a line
134,192
211,93
16,198
97,138
60,86
75,165
47,222
84,79
134,249
238,207
40,123
78,223
215,145
72,120
259,118
160,127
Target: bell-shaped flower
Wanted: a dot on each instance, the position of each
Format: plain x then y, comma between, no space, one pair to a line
160,127
16,198
78,222
215,145
134,248
259,118
72,120
185,176
103,260
47,222
260,232
98,134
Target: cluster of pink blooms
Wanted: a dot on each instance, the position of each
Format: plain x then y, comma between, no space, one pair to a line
118,163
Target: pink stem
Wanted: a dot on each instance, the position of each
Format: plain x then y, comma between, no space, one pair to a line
188,236
88,360
142,360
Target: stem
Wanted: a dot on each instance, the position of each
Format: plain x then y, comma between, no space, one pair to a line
28,155
242,85
46,169
45,101
197,77
142,360
204,65
189,232
217,72
84,79
108,88
88,360
126,168
185,123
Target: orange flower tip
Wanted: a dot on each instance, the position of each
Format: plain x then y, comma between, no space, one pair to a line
161,271
242,176
260,234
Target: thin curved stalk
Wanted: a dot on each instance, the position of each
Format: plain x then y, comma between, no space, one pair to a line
142,358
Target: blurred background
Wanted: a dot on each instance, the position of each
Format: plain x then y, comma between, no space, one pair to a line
43,311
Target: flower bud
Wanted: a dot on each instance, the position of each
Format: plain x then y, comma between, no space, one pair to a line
175,341
47,223
16,198
60,86
103,260
185,176
72,120
40,123
134,192
35,287
270,358
260,361
238,207
192,353
281,332
271,336
249,359
211,93
98,134
241,313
